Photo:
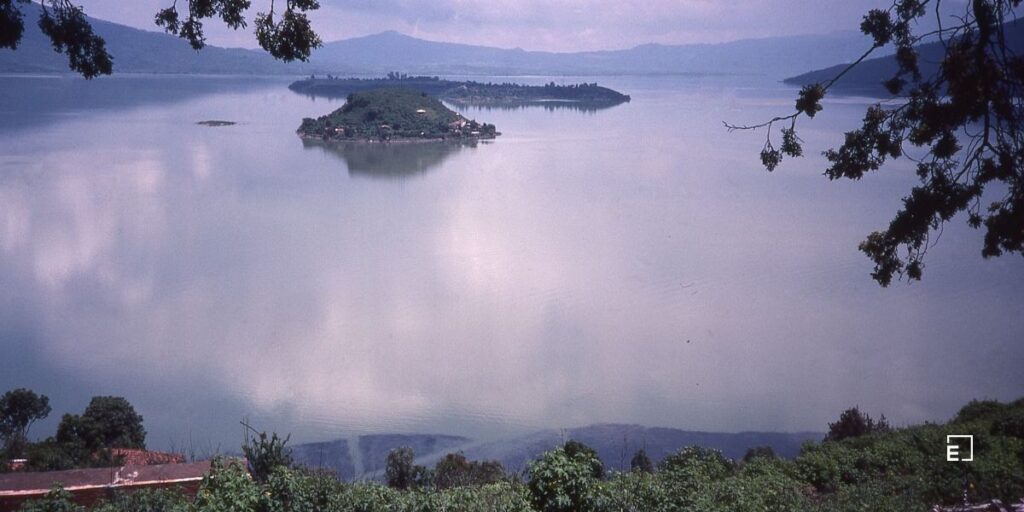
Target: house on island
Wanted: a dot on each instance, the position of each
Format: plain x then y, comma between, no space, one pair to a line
140,469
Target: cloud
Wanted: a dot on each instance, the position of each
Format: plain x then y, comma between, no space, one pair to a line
557,25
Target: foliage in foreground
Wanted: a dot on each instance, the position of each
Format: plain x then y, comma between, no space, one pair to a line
876,469
81,441
286,34
957,122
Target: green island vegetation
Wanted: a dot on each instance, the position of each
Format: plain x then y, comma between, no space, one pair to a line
216,122
861,465
394,114
468,92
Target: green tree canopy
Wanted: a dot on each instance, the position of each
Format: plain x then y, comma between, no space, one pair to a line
697,463
287,34
574,448
961,125
563,482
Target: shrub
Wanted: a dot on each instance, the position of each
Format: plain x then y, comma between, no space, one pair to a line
762,484
979,409
264,454
637,491
698,463
57,500
455,471
559,482
146,500
759,451
641,462
879,496
573,448
227,487
688,473
827,466
1011,424
400,471
854,423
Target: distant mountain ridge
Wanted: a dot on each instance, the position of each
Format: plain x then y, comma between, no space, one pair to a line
773,57
143,51
868,76
140,51
614,443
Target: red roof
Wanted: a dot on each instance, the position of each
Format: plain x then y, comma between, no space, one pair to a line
91,485
133,457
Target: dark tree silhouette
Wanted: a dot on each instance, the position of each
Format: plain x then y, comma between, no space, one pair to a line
454,470
853,423
286,35
641,462
108,422
19,409
401,471
264,453
961,124
766,452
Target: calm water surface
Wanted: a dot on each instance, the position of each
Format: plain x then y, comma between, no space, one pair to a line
631,264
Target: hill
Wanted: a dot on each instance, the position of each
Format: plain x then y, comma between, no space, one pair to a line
912,468
901,469
614,443
776,57
393,114
868,76
140,51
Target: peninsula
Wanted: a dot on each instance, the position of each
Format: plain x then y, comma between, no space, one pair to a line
394,114
469,92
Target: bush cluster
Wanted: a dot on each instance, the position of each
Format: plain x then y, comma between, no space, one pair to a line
877,469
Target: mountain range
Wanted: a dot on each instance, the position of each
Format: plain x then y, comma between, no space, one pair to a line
773,57
142,51
364,456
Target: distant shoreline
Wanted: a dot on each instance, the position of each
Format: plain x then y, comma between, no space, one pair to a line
467,92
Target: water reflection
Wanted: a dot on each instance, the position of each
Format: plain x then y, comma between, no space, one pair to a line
577,271
31,101
389,161
589,107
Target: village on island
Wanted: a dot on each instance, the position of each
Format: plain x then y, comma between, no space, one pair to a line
394,115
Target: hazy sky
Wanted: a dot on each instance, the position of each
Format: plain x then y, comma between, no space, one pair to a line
558,25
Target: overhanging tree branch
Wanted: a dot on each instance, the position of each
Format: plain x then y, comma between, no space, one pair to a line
978,84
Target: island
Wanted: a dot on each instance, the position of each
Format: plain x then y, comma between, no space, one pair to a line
468,92
394,114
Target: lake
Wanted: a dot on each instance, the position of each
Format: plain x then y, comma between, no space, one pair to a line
633,264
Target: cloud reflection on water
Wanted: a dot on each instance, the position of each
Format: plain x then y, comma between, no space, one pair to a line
571,274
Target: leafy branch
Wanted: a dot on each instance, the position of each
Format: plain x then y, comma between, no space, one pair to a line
964,120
